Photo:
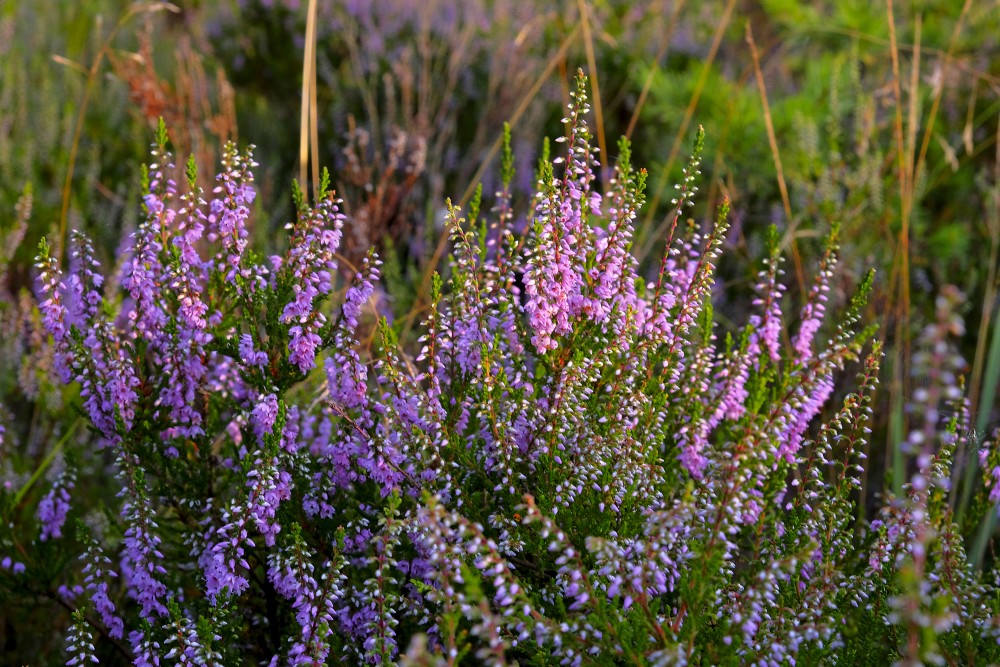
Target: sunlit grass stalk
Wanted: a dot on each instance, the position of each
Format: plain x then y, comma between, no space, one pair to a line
134,9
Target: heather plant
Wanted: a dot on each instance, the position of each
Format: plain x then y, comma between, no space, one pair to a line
877,116
37,470
579,466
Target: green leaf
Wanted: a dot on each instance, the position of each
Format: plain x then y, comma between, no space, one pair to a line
161,134
192,172
506,159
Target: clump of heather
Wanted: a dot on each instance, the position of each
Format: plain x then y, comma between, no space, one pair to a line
578,466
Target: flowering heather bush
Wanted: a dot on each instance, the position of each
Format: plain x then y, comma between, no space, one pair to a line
577,467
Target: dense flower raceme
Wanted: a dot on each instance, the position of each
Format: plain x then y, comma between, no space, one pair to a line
577,465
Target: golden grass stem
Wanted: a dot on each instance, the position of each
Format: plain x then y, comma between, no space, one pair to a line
133,10
901,267
976,393
588,45
661,183
939,93
648,83
308,102
789,237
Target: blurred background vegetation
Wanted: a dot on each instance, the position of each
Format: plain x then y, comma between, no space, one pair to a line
880,117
